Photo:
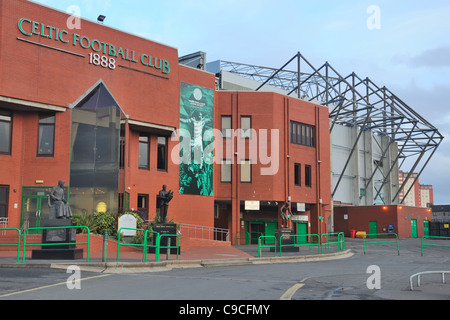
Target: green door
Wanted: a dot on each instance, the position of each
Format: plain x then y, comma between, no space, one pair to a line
373,228
34,209
426,228
302,231
413,228
270,231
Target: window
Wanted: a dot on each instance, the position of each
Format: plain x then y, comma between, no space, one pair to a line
225,171
124,202
144,143
226,127
143,206
4,195
121,203
5,132
303,134
46,135
162,153
297,174
246,171
246,126
308,176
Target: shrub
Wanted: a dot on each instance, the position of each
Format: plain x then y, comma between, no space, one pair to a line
98,223
105,222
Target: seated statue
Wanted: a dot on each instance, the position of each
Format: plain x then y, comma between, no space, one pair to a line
59,208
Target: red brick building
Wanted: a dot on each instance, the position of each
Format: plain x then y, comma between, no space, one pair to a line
302,173
408,222
100,109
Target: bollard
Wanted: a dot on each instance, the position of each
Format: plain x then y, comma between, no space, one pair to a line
105,247
168,248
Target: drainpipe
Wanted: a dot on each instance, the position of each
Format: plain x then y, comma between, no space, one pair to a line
235,199
287,153
318,173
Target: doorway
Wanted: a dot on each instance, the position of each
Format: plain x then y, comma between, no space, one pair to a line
426,228
373,228
271,226
413,228
257,229
34,210
301,231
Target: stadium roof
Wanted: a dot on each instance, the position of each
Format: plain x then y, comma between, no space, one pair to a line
354,101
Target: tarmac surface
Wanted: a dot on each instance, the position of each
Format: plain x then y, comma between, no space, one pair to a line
193,257
402,266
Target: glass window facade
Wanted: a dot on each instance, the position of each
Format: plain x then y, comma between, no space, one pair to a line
94,168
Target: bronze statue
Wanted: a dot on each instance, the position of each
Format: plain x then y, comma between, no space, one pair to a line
59,208
164,198
283,214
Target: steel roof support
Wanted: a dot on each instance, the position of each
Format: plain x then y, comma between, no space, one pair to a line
354,102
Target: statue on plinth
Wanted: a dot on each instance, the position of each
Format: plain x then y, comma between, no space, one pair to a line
285,214
164,198
59,207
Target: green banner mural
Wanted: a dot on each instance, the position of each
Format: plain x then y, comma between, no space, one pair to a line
196,140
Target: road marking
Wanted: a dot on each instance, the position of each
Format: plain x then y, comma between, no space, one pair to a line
291,291
52,285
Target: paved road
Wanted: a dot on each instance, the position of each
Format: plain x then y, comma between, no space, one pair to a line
344,279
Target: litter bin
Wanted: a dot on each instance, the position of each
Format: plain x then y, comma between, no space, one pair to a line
352,233
391,228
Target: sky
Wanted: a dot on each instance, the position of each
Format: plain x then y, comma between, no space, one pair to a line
403,45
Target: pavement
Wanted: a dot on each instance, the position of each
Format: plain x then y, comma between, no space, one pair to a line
194,257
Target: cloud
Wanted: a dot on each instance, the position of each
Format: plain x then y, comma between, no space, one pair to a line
432,103
432,58
437,173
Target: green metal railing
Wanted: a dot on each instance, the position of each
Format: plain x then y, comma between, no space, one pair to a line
144,246
340,240
295,244
177,246
380,234
260,246
13,245
25,245
433,245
